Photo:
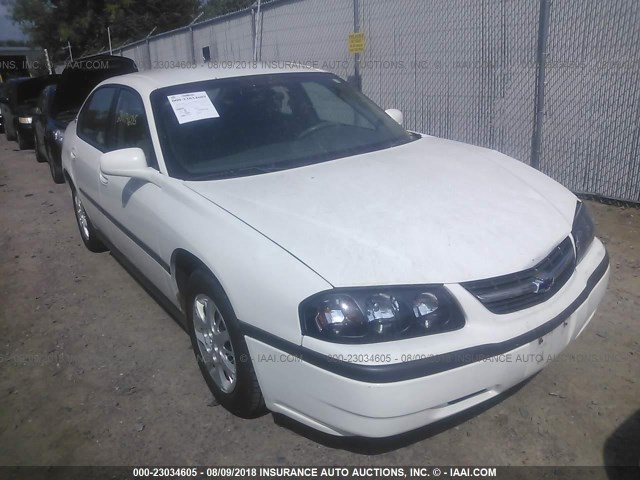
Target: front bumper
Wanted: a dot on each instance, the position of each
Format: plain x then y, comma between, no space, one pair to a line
454,372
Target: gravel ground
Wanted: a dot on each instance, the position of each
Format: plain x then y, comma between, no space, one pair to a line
94,372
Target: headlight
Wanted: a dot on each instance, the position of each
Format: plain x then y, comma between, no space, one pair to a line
58,136
582,230
370,315
24,120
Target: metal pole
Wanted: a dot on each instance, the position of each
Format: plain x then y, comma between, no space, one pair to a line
148,49
258,33
69,47
193,46
46,57
541,60
148,43
109,35
356,29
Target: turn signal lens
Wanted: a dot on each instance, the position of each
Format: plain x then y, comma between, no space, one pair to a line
582,231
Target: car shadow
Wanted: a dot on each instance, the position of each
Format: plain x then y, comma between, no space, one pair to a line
378,446
622,450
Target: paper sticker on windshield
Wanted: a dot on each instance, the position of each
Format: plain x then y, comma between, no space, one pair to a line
193,106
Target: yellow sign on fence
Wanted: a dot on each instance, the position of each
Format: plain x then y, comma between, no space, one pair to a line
356,42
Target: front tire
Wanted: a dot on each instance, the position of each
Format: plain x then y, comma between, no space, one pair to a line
87,231
220,348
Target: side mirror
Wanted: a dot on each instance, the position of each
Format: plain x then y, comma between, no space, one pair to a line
127,162
396,115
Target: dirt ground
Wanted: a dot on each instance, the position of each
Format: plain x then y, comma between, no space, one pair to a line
94,372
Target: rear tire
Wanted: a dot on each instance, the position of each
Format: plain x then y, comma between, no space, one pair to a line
87,231
39,157
23,143
220,348
56,171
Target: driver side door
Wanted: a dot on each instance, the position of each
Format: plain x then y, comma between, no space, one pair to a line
133,207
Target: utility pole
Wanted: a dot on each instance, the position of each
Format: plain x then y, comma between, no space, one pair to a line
109,35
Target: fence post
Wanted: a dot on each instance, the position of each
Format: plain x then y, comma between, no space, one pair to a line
193,47
148,50
356,58
541,63
257,33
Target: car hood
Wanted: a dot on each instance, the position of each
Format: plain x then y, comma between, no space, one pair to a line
430,211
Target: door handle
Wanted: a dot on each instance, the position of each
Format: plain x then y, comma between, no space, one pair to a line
72,153
103,180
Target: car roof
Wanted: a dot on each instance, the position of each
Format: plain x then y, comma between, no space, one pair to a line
149,80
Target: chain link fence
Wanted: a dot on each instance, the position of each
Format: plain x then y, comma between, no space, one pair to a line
465,70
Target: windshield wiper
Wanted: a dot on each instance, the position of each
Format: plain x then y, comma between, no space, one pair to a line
234,172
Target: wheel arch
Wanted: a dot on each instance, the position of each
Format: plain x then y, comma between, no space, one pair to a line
183,264
67,177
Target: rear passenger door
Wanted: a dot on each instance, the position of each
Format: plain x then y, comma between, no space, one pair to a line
131,204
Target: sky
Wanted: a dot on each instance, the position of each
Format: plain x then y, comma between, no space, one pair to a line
8,31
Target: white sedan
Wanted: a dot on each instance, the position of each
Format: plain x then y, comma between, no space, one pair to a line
328,264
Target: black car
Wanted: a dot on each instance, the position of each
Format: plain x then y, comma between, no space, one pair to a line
42,147
58,106
1,117
19,99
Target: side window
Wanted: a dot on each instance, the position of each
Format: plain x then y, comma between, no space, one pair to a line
93,121
330,108
130,125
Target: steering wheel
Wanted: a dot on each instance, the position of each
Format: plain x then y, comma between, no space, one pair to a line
314,128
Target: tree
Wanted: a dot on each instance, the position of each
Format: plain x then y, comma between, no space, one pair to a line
215,8
83,23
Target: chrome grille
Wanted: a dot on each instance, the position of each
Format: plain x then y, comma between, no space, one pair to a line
517,291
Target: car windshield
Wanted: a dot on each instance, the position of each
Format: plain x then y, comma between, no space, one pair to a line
263,123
